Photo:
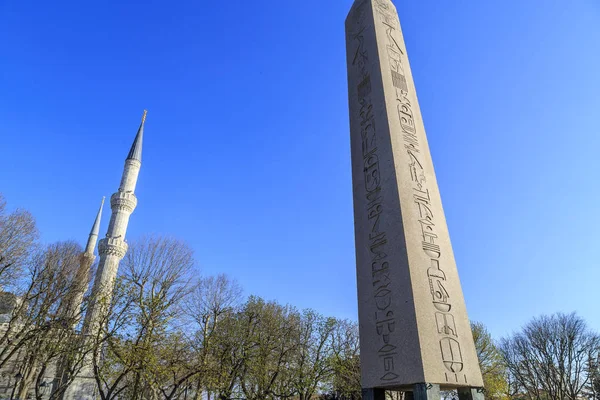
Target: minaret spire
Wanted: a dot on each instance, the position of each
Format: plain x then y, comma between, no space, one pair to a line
136,148
111,249
91,243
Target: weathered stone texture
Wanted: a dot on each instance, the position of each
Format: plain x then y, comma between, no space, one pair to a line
413,321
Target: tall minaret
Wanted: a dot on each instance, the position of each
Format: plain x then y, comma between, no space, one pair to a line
74,300
82,275
111,249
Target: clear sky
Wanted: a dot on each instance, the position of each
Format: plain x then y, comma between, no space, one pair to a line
246,148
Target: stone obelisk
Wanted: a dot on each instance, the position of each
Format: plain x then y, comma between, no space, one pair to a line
414,330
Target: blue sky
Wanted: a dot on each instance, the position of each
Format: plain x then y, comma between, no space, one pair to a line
246,148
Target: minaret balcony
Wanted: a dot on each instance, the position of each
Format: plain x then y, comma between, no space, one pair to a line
113,247
123,201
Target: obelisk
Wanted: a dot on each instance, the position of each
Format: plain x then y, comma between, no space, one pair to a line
414,330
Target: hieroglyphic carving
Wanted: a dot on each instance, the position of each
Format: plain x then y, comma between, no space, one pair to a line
450,350
452,357
445,324
385,321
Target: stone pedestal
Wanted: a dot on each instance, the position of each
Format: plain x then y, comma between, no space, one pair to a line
426,391
373,394
413,320
466,393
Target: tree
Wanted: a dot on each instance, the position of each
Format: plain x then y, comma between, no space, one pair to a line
214,299
140,353
311,364
550,357
231,350
593,388
490,362
38,331
344,383
18,236
272,333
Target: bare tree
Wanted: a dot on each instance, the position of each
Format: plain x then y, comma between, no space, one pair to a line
593,370
18,236
213,299
108,345
155,277
37,331
549,358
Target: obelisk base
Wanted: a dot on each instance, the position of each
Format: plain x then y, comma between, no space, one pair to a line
428,391
424,391
467,393
373,394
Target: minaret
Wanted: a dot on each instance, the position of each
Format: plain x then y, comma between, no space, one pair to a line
74,299
112,249
93,238
82,276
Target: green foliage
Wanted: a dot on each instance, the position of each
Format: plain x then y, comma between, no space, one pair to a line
345,359
491,363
